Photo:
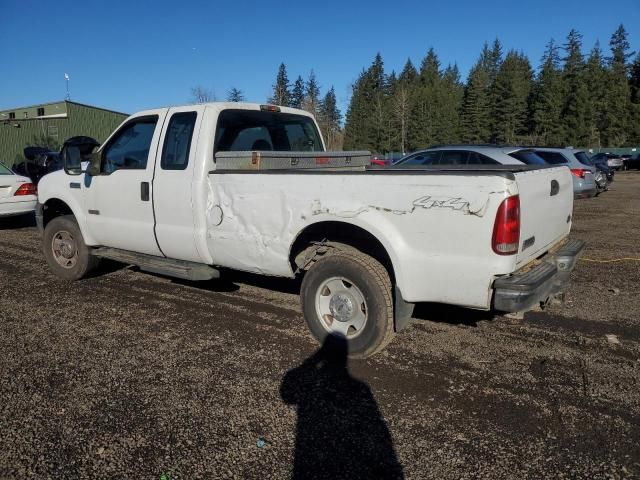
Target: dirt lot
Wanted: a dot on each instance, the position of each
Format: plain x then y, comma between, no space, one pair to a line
130,375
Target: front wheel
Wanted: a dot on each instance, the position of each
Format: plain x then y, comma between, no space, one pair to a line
65,250
348,293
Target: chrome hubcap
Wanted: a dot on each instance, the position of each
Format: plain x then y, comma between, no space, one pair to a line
341,307
65,250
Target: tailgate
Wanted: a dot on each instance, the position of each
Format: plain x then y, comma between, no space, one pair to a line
546,206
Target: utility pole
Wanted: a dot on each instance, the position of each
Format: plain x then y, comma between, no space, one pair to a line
66,77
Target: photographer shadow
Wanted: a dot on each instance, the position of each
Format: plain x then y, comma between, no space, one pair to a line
340,431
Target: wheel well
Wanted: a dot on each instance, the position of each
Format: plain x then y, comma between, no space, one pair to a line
54,208
338,232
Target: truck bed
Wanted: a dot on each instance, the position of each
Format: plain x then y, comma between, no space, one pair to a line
436,223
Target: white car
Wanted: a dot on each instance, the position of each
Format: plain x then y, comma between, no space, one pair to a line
17,194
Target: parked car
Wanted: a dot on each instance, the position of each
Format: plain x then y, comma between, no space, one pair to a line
600,165
40,161
18,195
190,191
613,161
470,155
631,162
379,162
584,183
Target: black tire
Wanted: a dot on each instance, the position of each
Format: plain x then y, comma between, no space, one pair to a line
373,282
79,261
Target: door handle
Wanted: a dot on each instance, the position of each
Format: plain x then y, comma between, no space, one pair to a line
144,191
555,188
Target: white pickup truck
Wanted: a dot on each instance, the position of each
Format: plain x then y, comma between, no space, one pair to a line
187,191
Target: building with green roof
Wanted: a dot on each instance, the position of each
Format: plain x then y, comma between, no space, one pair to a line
50,124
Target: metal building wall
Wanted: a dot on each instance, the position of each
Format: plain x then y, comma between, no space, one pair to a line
52,132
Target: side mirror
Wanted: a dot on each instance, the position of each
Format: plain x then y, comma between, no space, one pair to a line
72,161
76,164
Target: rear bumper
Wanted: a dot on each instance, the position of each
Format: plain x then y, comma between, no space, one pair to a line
587,193
17,207
521,291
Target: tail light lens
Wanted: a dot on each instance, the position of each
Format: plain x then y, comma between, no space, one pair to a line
26,189
579,172
506,229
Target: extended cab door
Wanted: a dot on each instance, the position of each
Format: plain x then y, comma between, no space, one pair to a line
120,208
173,183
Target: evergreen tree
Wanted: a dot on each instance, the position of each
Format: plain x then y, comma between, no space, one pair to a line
634,80
634,84
424,117
575,92
512,87
451,94
281,95
366,120
475,114
297,93
595,75
403,93
235,95
409,73
311,101
330,118
617,106
493,60
548,99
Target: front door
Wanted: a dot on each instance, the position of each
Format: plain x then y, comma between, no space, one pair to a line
120,212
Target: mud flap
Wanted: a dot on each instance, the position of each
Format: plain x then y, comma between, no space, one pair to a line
402,311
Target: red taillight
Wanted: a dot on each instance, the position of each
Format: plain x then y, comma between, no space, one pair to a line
579,172
26,189
506,229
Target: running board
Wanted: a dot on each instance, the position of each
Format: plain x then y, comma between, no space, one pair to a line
164,266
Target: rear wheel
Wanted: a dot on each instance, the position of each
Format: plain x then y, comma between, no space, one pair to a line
64,248
348,293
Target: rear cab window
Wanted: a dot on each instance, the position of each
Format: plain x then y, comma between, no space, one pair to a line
250,130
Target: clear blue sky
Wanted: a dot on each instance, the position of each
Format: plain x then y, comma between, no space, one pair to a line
137,54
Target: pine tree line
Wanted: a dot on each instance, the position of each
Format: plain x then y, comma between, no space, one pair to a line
570,100
307,96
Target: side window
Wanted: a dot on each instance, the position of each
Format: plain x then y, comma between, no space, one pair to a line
454,157
423,158
177,141
129,150
254,138
476,158
553,158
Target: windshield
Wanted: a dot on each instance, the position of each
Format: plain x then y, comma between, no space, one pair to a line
5,170
583,158
247,130
527,157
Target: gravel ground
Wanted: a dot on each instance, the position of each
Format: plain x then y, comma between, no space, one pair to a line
131,375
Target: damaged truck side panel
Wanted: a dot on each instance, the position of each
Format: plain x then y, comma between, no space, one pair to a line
426,240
